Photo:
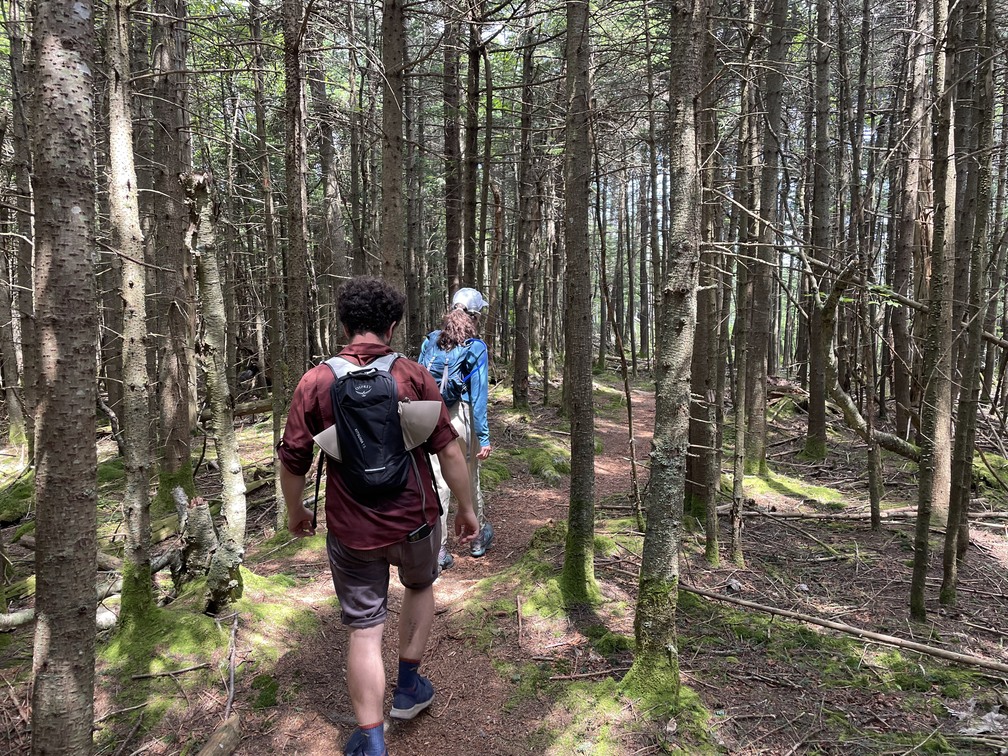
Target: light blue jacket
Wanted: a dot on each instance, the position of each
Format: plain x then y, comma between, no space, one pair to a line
478,386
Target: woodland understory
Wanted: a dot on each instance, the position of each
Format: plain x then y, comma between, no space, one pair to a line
518,674
777,228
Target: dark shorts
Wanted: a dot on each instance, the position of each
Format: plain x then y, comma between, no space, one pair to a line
361,578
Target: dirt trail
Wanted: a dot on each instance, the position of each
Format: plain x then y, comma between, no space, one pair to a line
315,717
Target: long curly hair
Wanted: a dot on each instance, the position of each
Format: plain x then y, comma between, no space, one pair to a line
457,327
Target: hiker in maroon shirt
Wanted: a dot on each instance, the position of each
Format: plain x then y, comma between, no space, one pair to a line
362,542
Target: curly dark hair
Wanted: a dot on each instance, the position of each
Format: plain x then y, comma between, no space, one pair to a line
369,305
457,326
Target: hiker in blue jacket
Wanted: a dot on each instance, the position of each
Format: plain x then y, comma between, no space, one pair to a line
456,343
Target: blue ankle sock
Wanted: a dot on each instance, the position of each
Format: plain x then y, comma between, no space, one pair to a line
408,673
375,734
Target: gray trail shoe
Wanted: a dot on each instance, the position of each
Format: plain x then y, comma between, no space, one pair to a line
445,559
483,540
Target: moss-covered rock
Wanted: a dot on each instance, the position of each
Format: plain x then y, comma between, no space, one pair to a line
16,499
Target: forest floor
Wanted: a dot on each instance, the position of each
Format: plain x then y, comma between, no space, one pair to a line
517,673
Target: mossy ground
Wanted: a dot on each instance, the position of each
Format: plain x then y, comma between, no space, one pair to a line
795,488
141,660
586,713
566,668
990,474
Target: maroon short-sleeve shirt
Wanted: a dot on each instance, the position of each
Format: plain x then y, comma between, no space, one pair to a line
311,412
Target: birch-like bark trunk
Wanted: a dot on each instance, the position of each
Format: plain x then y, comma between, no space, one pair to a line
224,583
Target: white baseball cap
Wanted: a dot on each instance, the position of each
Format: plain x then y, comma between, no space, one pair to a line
470,300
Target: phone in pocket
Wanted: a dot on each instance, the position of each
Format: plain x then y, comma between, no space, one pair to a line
420,533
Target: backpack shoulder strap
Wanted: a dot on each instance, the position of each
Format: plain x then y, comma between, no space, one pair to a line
384,362
340,366
430,348
481,358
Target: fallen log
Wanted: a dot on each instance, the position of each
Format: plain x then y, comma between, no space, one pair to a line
225,738
14,620
889,640
106,562
241,410
888,514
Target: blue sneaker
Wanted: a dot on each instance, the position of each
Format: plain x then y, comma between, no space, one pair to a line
357,745
406,704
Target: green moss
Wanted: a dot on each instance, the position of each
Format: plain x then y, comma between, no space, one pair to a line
922,675
16,499
164,639
137,595
931,742
25,528
17,435
989,483
608,643
163,503
783,408
267,688
814,450
111,472
492,473
609,393
529,681
546,459
266,602
654,683
282,545
774,482
605,545
592,712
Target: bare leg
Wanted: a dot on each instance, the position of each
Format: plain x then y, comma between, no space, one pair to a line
366,672
415,622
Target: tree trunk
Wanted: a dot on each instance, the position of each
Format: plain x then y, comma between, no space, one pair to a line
355,84
452,151
815,441
127,241
935,410
743,289
643,279
8,348
488,138
295,355
997,256
909,235
656,659
336,263
23,293
277,326
966,158
703,465
602,229
578,578
393,225
550,295
526,227
470,158
224,583
416,325
65,479
956,535
760,332
172,157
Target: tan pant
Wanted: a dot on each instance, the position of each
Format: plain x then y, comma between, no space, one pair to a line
461,418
